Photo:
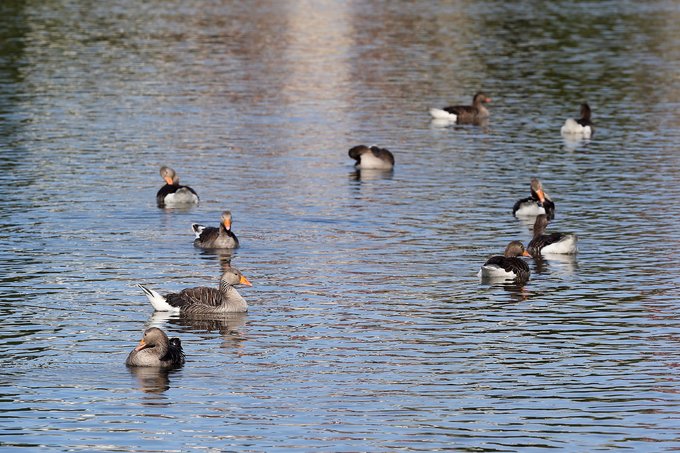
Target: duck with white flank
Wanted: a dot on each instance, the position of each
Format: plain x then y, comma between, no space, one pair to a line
203,300
172,194
538,203
579,127
215,238
372,158
464,114
508,266
156,350
563,243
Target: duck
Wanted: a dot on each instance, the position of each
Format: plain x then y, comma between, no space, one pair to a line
580,127
538,203
562,243
204,300
372,158
215,237
464,114
172,193
156,350
507,266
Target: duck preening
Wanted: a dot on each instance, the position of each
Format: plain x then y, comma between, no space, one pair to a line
156,350
538,203
507,266
204,300
464,114
563,243
172,194
215,237
372,158
580,127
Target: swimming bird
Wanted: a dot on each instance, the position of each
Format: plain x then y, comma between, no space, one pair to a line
508,266
464,114
582,126
172,194
373,158
156,350
563,243
203,300
215,238
538,203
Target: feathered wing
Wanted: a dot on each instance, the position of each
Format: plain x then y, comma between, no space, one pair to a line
519,204
515,265
164,192
537,243
201,295
461,110
175,354
207,235
382,153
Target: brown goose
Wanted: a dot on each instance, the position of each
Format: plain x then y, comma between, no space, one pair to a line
215,238
172,194
508,266
156,350
464,114
563,243
201,299
373,158
580,127
538,203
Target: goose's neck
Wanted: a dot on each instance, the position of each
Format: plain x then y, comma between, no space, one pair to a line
231,299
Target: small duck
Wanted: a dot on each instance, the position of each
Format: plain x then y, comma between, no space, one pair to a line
156,350
508,266
373,158
172,194
464,114
563,243
203,300
582,126
538,203
215,238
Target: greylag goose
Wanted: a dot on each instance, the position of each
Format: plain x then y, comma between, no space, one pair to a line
215,238
203,300
172,194
156,350
563,243
373,158
579,127
464,114
508,266
538,203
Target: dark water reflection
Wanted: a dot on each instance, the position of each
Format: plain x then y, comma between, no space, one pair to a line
368,329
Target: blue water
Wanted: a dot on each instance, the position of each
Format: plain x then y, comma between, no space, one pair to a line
368,329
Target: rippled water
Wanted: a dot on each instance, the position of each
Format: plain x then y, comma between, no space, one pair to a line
368,329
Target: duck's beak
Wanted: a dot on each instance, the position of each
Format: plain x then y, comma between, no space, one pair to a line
244,281
487,100
168,180
227,224
541,195
525,253
142,344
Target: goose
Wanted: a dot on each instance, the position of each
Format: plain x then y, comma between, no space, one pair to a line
563,243
582,126
508,266
373,158
464,114
172,193
156,350
204,300
215,238
538,203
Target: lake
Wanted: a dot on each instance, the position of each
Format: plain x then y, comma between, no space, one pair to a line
368,328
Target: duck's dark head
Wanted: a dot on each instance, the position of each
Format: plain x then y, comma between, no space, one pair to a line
585,111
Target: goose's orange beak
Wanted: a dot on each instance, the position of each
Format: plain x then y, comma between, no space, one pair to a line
227,224
168,179
541,195
525,253
487,100
141,345
244,281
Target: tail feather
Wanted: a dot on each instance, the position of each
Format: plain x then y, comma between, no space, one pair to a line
158,301
440,114
197,229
